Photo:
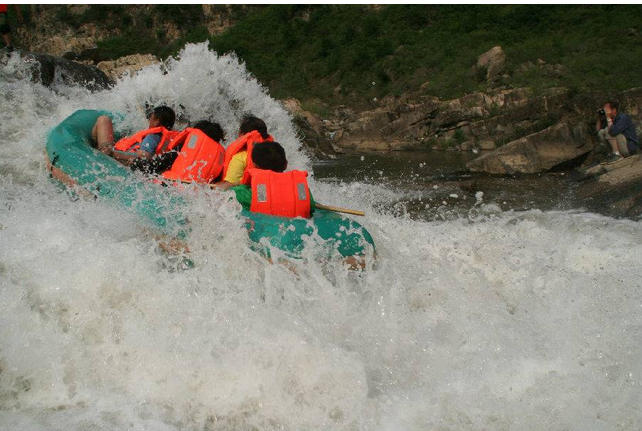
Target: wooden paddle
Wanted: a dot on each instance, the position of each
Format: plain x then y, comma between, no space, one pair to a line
339,210
318,205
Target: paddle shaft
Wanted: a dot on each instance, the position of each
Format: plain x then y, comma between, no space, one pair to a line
340,210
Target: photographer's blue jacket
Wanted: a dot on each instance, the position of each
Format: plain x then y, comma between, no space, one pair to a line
623,125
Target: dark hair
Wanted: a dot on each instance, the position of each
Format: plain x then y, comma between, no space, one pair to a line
269,156
165,115
614,105
213,130
250,123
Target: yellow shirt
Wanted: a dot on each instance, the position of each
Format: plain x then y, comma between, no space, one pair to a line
236,168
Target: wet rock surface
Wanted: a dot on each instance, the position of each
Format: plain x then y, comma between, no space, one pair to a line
50,70
613,189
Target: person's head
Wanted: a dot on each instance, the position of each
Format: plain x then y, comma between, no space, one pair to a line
615,107
162,116
213,130
250,123
269,156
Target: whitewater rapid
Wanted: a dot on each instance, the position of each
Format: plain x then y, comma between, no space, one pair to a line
502,321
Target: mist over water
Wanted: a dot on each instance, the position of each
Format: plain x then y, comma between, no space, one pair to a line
503,321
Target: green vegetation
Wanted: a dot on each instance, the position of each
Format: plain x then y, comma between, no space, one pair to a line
308,51
109,16
354,53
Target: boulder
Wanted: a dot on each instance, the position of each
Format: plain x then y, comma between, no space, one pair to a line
487,144
312,129
466,146
613,189
538,152
293,106
129,64
49,70
493,61
364,131
59,46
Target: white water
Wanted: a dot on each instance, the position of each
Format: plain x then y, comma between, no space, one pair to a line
517,321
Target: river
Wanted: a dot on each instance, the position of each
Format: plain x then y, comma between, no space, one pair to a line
434,185
494,303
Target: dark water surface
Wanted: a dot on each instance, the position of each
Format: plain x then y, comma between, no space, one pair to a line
435,184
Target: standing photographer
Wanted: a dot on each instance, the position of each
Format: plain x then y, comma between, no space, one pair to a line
618,129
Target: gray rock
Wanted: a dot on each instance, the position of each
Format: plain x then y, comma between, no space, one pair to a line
49,70
128,64
487,144
614,189
493,61
538,152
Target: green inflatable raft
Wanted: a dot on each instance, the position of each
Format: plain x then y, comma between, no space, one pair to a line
75,163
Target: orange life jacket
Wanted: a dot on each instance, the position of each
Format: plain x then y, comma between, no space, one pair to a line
281,194
132,143
244,142
200,160
4,8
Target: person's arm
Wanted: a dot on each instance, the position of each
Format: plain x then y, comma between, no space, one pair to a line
236,168
223,185
146,151
620,124
127,158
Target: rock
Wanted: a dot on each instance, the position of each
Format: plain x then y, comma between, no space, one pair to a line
50,70
487,144
59,46
217,22
614,189
537,152
312,129
466,146
294,107
493,61
525,67
129,64
362,145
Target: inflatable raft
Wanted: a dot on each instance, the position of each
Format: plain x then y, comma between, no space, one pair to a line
74,162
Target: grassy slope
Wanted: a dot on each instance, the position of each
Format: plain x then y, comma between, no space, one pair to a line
309,51
401,47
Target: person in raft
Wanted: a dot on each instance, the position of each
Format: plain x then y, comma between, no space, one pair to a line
5,30
194,155
267,188
238,155
142,144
